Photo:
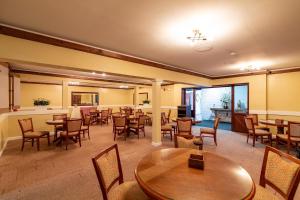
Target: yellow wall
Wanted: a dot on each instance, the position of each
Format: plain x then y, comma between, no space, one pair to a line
33,91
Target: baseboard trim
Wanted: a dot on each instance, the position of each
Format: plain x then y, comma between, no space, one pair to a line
156,144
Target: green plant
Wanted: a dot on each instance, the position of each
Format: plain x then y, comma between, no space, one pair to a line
41,102
225,99
146,101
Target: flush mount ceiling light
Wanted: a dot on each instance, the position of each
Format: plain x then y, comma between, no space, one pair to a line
254,65
199,41
103,74
73,83
250,68
123,86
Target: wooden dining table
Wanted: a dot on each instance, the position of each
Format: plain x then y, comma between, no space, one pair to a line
271,122
164,174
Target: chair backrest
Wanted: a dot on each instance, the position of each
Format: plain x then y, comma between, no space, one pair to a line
281,172
74,125
119,121
117,114
26,125
104,113
184,126
138,114
249,124
279,122
293,129
110,111
255,118
216,123
163,119
180,140
60,117
86,120
140,110
169,113
141,120
108,168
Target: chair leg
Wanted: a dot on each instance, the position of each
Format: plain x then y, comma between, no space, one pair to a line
115,135
248,138
215,139
88,131
32,142
171,135
79,138
67,142
38,143
270,139
254,138
138,133
22,144
288,146
144,131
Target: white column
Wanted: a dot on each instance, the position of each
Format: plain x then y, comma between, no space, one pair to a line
156,116
136,96
65,94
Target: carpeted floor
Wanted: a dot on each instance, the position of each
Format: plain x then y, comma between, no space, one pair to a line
54,173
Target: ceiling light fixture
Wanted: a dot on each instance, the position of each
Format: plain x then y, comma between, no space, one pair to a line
73,83
103,74
123,86
199,41
93,73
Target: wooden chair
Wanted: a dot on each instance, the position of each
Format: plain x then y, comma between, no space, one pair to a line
281,172
169,115
184,126
211,132
85,128
110,113
139,126
256,124
255,133
119,126
108,169
103,117
94,115
59,127
292,136
72,132
279,126
29,135
165,127
188,141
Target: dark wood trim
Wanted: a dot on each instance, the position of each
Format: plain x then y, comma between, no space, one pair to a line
39,83
282,71
74,77
238,75
100,87
14,32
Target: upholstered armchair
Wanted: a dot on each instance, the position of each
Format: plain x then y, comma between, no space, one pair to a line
255,133
119,126
184,126
292,136
211,132
281,172
29,135
188,141
108,169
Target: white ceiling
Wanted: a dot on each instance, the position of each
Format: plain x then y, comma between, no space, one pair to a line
265,31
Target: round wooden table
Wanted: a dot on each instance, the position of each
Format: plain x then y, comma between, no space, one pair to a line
164,174
55,122
271,122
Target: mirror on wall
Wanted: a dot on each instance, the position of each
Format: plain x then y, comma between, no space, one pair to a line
85,98
142,97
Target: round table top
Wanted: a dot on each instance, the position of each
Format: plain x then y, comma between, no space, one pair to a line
55,122
271,122
164,174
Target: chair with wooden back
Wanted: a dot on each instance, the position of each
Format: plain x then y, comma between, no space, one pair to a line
139,126
108,169
110,113
29,135
292,136
59,127
72,132
256,123
279,126
165,127
255,133
85,128
103,119
169,115
211,132
188,141
281,172
184,126
119,126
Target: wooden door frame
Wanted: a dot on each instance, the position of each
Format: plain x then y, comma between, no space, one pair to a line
183,96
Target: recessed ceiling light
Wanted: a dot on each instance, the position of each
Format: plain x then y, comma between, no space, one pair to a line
74,83
93,73
232,53
123,86
103,74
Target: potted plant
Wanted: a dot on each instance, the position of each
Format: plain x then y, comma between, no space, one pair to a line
146,101
225,100
41,102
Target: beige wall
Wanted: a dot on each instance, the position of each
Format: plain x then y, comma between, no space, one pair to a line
29,92
4,86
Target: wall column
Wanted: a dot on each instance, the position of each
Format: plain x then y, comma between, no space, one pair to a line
156,116
136,96
65,94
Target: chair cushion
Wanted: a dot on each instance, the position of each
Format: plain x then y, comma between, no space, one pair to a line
64,134
260,132
129,190
262,127
207,130
285,137
166,128
262,193
186,143
36,133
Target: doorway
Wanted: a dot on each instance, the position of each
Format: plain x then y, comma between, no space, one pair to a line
229,102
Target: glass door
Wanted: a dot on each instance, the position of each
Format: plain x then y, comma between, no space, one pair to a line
240,106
